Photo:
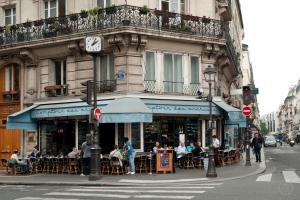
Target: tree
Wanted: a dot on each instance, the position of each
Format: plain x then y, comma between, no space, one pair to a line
263,128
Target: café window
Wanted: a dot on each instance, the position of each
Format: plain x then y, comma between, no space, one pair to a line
177,6
103,3
10,16
136,135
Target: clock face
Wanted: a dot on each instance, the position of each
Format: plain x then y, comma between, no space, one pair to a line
93,44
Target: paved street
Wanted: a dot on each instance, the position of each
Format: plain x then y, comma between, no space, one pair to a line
280,181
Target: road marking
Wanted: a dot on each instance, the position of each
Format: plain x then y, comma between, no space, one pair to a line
149,187
162,197
136,191
121,196
161,181
291,177
39,198
264,178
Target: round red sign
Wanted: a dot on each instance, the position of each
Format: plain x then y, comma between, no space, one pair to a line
97,113
247,111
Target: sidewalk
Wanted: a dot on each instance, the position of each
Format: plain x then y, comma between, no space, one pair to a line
231,172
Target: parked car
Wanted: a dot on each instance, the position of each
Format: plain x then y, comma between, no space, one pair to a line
270,141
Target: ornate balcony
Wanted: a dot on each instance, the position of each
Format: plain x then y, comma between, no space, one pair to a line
109,18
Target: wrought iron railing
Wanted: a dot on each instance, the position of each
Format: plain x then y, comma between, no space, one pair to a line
149,85
195,88
173,87
106,86
112,17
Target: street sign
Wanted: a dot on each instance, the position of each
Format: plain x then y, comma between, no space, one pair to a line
247,111
97,114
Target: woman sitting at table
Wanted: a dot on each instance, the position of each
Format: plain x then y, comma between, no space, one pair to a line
35,153
157,147
74,153
14,159
181,150
117,154
191,147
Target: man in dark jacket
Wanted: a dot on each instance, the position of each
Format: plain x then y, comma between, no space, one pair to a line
256,144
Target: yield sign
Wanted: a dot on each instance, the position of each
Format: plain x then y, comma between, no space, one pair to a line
247,111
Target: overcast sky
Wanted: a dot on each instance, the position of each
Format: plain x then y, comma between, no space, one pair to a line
272,31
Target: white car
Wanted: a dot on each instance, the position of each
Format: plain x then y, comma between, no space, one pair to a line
270,141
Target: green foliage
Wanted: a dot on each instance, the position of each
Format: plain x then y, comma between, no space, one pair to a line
263,128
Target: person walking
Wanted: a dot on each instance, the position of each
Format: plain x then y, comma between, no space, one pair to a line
130,155
85,155
256,144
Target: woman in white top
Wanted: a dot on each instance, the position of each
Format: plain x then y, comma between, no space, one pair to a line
15,159
116,153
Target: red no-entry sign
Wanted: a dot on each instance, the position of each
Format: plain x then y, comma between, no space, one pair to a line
97,113
247,111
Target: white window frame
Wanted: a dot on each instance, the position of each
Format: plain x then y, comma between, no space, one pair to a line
10,77
190,68
163,66
170,2
109,58
145,63
62,72
12,15
47,3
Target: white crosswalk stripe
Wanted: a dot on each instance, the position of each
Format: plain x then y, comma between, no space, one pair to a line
290,176
264,178
173,191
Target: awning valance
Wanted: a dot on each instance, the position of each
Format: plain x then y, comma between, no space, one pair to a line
234,115
126,110
22,119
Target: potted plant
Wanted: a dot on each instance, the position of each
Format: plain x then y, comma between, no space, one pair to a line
27,24
84,14
38,22
205,20
62,20
13,27
144,10
94,11
111,10
73,17
50,20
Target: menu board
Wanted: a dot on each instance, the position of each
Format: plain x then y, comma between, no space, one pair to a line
164,161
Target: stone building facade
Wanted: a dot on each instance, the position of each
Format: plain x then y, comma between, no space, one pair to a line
152,57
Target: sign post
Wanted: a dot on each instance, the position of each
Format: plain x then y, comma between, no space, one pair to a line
247,111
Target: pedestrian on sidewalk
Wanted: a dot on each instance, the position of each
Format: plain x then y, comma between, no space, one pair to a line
130,155
256,144
85,155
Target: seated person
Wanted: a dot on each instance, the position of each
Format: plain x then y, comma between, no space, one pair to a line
117,154
74,153
198,149
191,147
157,147
181,150
14,158
35,152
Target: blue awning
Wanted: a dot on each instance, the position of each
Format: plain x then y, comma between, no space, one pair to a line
22,120
126,110
234,115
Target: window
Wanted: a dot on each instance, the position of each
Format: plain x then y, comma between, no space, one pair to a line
51,8
60,72
136,135
11,78
173,80
106,68
194,69
103,3
150,66
10,16
177,6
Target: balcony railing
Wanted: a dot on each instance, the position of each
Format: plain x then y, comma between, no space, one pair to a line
112,17
56,90
106,86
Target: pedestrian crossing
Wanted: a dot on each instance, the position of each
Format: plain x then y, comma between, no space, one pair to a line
174,191
289,176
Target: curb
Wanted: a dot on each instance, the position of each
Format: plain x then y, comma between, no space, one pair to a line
260,170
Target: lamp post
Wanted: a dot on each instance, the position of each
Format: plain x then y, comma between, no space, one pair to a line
209,75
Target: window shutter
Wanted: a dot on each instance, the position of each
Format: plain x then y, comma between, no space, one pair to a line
61,8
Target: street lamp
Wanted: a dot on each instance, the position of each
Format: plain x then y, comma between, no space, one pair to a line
209,74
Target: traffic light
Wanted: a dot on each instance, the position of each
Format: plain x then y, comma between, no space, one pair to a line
247,95
88,91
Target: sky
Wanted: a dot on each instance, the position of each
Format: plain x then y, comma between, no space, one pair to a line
272,31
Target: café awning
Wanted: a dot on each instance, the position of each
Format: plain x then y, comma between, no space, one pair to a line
234,115
22,119
126,110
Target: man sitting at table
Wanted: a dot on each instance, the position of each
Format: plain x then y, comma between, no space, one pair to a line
181,150
191,147
14,159
35,153
197,150
157,147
